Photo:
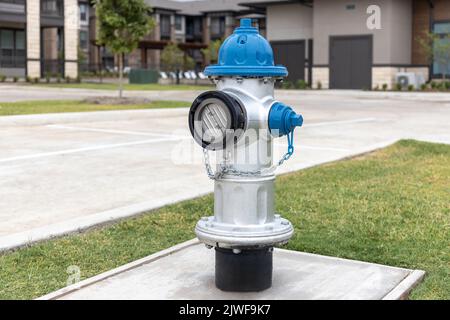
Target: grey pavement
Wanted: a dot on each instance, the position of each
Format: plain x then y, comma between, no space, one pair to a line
186,271
62,173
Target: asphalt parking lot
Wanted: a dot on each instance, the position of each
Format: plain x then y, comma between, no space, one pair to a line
62,173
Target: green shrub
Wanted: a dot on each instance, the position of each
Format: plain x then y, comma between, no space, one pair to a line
36,80
28,79
447,85
398,87
434,85
410,87
423,86
301,84
385,86
68,79
78,79
287,85
2,78
47,77
319,85
442,86
15,79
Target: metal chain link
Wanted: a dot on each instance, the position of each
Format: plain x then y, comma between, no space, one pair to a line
224,169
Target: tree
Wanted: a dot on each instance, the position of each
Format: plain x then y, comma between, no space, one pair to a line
436,48
211,53
174,59
121,25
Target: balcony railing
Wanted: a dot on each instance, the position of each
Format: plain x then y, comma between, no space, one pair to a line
12,62
13,1
12,6
52,67
52,8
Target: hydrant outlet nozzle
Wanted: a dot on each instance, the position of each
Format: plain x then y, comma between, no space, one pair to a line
283,120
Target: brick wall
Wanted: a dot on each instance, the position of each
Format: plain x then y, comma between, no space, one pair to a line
441,10
421,24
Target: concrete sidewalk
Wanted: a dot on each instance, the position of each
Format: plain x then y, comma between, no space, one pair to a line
186,272
65,173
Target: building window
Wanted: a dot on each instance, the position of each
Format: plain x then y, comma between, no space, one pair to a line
178,23
441,63
83,12
194,29
165,26
52,8
12,48
83,39
217,27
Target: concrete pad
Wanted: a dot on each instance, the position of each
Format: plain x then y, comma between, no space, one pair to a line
186,271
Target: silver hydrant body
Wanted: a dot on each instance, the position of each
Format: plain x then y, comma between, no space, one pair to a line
239,121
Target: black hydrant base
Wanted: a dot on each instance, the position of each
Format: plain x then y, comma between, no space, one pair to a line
247,271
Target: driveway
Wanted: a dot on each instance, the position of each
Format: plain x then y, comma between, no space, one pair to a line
68,172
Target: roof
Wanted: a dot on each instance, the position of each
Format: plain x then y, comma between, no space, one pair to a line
199,7
260,4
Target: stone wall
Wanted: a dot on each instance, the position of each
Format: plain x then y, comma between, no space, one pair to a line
322,75
386,75
33,39
71,29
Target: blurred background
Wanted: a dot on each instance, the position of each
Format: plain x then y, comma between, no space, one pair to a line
339,44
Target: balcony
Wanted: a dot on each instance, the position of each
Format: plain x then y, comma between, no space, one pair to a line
52,13
52,8
10,10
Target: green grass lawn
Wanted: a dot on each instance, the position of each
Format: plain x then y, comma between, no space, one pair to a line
132,87
34,107
390,207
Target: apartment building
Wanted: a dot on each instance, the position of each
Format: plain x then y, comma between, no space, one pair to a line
192,25
41,37
358,44
330,42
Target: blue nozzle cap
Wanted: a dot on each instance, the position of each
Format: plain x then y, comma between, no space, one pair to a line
283,120
246,53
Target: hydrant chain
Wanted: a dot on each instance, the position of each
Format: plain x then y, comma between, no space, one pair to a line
227,169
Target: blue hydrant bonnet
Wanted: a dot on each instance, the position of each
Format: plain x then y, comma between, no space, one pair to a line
246,53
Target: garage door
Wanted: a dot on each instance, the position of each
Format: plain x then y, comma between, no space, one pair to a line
291,54
351,62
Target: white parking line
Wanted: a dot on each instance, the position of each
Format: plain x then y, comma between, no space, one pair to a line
127,132
321,124
93,148
164,138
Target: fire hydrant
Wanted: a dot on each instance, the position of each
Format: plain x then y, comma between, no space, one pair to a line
239,122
